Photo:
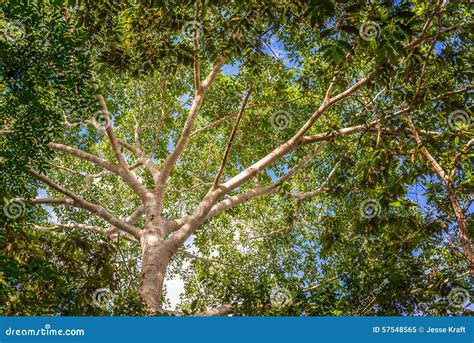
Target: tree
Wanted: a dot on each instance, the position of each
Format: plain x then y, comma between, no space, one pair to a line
309,158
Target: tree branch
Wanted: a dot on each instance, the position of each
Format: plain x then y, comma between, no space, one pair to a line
142,158
238,199
83,204
135,215
52,201
109,130
99,229
171,159
85,156
292,143
231,139
222,310
122,168
458,211
197,74
124,173
321,188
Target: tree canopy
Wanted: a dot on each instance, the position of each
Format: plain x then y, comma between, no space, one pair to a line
278,157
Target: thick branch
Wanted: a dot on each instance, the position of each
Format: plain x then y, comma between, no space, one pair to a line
292,143
109,130
249,195
243,197
53,201
222,310
83,204
108,232
458,211
123,169
143,159
171,159
123,172
84,156
135,215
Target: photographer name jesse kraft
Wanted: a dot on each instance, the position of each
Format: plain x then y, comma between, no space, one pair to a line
414,329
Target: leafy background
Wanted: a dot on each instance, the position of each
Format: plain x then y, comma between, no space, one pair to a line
275,255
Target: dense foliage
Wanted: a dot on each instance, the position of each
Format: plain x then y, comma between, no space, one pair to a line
369,224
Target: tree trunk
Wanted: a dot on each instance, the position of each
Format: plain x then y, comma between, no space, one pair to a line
155,258
463,228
